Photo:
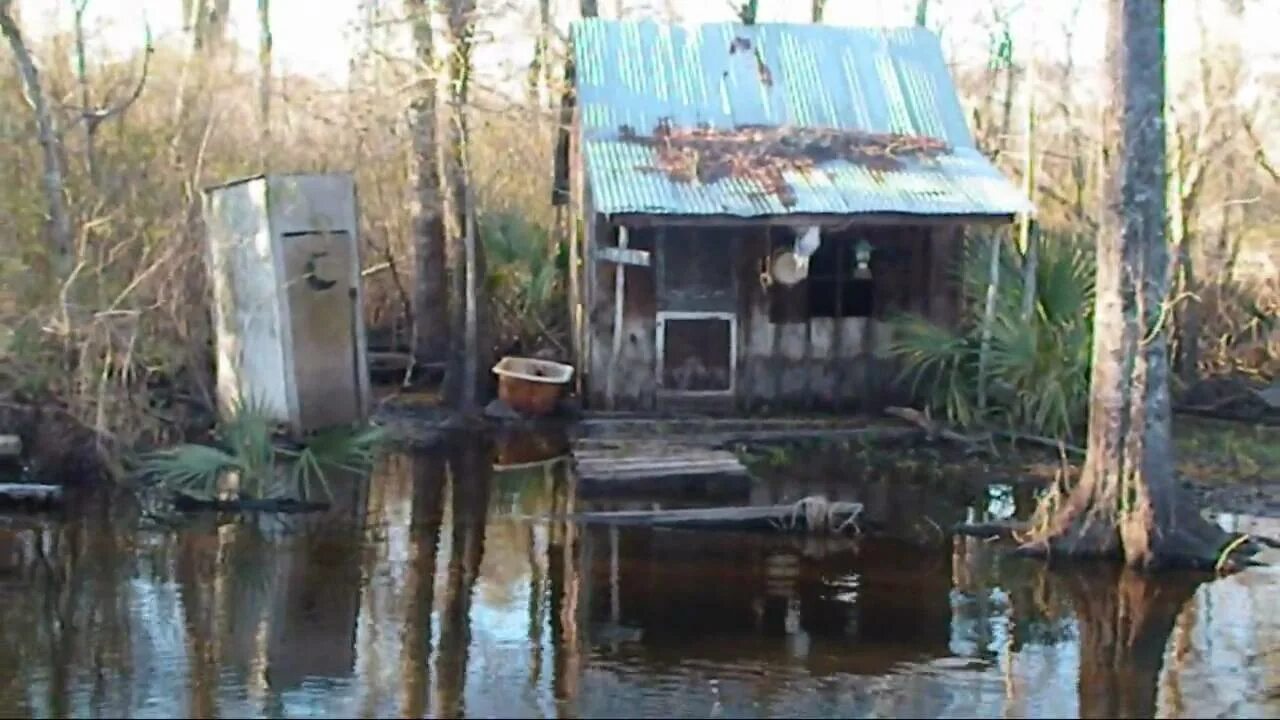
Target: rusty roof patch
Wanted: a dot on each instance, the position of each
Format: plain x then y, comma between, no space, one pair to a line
760,154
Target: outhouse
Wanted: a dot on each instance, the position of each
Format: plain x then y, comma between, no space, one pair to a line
284,264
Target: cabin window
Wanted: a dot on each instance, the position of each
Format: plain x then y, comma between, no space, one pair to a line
834,288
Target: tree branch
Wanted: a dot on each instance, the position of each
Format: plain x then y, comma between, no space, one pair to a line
98,116
1259,150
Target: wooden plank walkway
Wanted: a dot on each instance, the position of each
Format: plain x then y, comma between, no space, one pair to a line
621,461
837,516
30,494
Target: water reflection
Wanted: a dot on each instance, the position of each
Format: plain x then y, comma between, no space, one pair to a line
441,589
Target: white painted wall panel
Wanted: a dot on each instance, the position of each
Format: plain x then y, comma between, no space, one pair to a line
251,362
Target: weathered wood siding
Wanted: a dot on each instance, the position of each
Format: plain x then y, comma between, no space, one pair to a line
786,361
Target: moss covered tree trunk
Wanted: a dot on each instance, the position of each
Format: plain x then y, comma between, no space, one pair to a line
1127,502
264,84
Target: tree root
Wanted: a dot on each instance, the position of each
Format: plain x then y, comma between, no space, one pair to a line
1193,544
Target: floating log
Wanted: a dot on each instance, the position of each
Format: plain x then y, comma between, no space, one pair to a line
808,515
30,494
10,447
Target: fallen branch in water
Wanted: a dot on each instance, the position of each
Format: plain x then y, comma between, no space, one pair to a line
973,442
187,503
989,531
1042,441
934,429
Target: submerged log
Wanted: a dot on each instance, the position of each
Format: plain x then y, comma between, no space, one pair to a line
30,494
187,503
809,515
990,531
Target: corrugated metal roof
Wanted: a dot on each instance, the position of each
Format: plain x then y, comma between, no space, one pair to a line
635,73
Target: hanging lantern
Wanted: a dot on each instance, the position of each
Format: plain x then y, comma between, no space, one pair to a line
862,255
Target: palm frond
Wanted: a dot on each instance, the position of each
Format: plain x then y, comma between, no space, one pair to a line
1038,369
191,467
247,445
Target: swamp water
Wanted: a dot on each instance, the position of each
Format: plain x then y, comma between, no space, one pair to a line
441,588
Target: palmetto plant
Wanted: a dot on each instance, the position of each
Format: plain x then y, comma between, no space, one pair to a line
246,448
524,277
1038,370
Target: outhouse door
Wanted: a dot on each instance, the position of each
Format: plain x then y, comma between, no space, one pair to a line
323,324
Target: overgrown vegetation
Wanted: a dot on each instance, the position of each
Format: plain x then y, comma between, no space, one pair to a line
116,354
1038,370
527,267
248,460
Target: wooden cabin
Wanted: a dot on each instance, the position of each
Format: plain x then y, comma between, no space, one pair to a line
755,203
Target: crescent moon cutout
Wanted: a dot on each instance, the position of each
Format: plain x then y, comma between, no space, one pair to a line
315,282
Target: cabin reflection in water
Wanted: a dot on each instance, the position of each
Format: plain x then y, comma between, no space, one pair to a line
711,597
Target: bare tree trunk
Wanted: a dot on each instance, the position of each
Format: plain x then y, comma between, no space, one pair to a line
92,117
1027,242
988,315
264,84
86,97
430,302
205,22
1127,503
61,239
1010,83
589,8
1186,326
540,65
922,13
817,10
471,353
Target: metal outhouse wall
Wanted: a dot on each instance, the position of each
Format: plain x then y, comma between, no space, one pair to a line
284,263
